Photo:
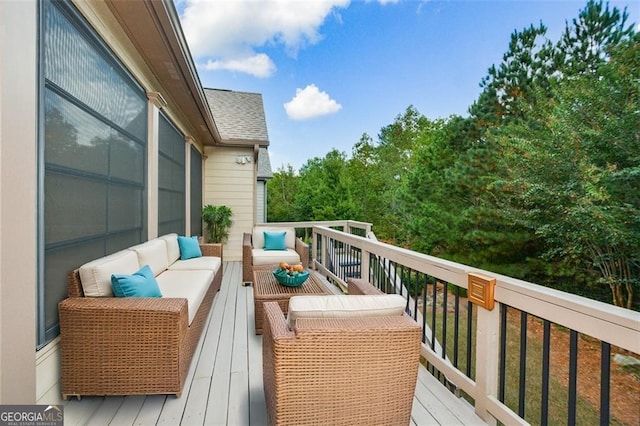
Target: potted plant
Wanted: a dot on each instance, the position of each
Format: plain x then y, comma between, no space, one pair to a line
217,220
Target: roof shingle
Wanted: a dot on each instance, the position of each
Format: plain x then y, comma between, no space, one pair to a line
239,116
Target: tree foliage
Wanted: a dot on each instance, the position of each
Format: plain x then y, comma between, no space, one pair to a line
540,181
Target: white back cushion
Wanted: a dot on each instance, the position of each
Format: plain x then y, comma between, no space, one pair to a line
154,254
343,306
257,239
96,275
173,249
207,263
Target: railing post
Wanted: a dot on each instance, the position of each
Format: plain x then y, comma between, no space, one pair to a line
487,360
364,264
314,247
324,253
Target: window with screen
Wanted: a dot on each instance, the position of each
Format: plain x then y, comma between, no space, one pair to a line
92,156
171,178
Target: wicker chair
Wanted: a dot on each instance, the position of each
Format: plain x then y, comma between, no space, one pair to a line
249,265
339,371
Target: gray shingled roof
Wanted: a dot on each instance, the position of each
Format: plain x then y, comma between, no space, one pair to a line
239,116
264,165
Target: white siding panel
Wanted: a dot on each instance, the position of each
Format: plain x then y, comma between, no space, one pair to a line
229,183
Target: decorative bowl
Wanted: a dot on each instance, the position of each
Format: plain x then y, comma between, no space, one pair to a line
290,280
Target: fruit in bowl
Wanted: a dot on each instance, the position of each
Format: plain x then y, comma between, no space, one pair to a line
291,269
290,275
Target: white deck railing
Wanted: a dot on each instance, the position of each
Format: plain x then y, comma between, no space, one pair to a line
607,323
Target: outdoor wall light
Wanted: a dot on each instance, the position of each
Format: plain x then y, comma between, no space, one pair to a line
244,159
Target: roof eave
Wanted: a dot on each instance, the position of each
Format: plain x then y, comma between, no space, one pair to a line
154,28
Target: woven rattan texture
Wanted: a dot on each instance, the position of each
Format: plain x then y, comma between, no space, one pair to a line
267,289
360,286
357,371
247,257
127,346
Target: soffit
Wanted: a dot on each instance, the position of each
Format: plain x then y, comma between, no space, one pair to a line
154,29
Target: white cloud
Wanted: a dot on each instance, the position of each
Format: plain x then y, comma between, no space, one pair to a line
228,32
310,102
259,65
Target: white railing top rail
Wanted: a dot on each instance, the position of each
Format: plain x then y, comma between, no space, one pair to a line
609,323
327,223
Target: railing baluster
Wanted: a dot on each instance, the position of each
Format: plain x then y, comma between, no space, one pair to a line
546,351
605,377
434,300
424,309
469,337
341,254
503,352
445,292
416,295
573,376
523,363
456,324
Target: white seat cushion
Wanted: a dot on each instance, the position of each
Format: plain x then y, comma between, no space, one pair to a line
96,275
207,263
338,306
257,239
154,254
267,257
191,285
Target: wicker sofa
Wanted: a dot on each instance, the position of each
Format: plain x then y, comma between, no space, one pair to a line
136,345
340,370
255,256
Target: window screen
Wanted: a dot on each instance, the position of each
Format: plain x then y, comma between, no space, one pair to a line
93,144
196,192
171,179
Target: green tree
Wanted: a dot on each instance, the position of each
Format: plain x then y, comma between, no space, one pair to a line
325,189
529,63
282,191
387,166
577,170
585,44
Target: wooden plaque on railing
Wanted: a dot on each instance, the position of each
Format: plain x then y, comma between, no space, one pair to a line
480,290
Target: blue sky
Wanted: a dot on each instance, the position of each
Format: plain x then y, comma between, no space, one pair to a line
332,70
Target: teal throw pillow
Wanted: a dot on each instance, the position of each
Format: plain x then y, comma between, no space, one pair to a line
140,284
274,240
189,248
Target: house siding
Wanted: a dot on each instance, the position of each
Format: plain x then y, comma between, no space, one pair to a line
228,183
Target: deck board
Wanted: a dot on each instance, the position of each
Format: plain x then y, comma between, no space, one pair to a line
224,383
129,410
150,411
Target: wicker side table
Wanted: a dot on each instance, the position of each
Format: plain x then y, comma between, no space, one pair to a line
267,289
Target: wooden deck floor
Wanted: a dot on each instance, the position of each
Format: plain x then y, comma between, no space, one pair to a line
224,386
